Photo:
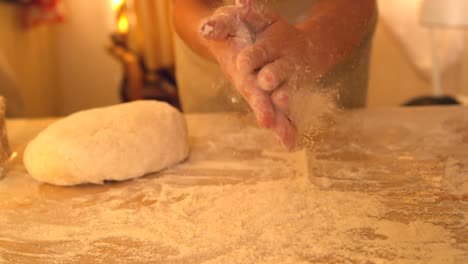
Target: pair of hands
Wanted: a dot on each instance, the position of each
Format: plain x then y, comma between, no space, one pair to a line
264,57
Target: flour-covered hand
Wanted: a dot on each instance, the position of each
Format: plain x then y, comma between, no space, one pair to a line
264,57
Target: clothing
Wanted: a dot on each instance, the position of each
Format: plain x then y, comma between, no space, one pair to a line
204,88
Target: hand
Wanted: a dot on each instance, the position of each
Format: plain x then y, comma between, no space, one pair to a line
228,35
264,57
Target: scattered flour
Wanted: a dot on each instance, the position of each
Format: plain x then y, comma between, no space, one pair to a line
286,220
250,203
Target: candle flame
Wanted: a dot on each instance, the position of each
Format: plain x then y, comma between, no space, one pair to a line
116,4
123,24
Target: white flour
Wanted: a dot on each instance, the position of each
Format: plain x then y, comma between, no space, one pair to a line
381,197
286,220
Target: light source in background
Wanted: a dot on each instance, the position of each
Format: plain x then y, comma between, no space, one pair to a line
122,24
122,17
142,42
117,4
120,36
439,14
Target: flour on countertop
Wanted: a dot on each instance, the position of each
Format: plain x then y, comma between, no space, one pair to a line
286,220
383,199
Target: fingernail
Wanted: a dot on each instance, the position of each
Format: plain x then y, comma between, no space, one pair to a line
288,141
267,82
280,138
281,98
284,98
269,78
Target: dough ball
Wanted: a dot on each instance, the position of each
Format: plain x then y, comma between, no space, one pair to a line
112,143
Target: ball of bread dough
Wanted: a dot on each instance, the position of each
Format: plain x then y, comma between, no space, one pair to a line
111,143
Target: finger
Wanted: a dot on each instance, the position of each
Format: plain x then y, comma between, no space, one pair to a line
224,22
259,101
218,27
255,56
280,99
285,130
257,15
272,75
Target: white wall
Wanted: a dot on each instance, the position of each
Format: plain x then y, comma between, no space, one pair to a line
87,75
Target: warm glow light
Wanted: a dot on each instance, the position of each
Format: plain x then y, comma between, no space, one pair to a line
116,4
13,156
123,24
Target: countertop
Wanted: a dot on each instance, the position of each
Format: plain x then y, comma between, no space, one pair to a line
377,186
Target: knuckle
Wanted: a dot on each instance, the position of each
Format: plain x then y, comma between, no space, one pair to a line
261,51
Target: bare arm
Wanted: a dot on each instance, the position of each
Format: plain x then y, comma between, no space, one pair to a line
188,15
336,25
265,57
339,26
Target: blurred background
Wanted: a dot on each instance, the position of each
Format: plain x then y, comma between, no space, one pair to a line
61,56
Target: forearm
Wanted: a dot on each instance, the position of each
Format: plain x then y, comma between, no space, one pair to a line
188,15
337,27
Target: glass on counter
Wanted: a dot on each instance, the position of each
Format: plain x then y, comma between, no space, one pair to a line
5,152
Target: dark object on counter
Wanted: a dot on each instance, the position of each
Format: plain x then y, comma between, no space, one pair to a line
432,100
139,82
5,151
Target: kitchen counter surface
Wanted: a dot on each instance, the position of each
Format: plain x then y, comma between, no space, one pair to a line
377,186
